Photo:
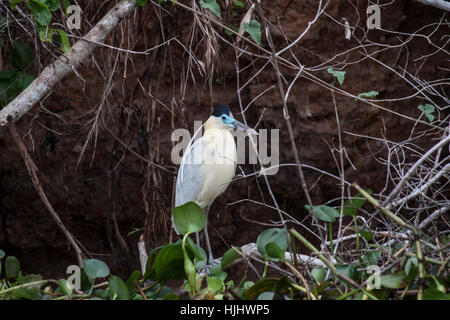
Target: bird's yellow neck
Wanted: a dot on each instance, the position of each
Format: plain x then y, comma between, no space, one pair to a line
216,124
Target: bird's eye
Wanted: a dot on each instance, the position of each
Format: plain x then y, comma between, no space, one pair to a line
223,117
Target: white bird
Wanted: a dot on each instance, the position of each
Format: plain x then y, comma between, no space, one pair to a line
208,164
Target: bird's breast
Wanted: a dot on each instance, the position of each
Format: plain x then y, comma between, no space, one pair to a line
218,165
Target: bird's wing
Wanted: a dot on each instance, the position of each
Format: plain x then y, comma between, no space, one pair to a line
189,181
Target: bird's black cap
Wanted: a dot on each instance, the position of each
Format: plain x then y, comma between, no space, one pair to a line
220,110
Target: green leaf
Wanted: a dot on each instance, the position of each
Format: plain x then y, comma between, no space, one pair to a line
369,94
157,291
141,3
352,205
266,295
135,230
394,281
27,293
53,5
318,274
102,293
239,4
31,278
215,285
65,287
23,81
280,286
366,234
428,110
229,33
324,213
192,276
149,263
283,285
371,258
14,3
321,287
347,270
434,282
46,34
254,30
2,254
66,4
275,235
132,289
230,284
264,285
95,269
189,218
7,74
199,255
340,75
41,12
212,6
229,256
12,267
8,90
411,269
63,40
170,296
434,294
274,252
21,56
168,264
216,271
118,289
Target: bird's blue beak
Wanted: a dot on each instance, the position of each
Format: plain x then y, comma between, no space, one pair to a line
233,123
240,125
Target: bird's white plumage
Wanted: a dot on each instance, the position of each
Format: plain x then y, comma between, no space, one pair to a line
217,171
208,165
189,181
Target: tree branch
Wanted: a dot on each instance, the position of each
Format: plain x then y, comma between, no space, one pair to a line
71,60
440,4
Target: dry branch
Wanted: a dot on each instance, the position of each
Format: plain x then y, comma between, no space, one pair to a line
433,216
32,171
440,4
248,251
71,60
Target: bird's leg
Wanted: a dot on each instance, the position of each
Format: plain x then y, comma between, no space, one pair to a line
208,245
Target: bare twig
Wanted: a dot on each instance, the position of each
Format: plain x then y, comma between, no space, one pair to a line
32,171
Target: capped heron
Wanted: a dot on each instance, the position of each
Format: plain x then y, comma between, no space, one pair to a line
208,164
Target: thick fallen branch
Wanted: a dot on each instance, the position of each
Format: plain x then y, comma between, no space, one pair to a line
67,62
248,251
